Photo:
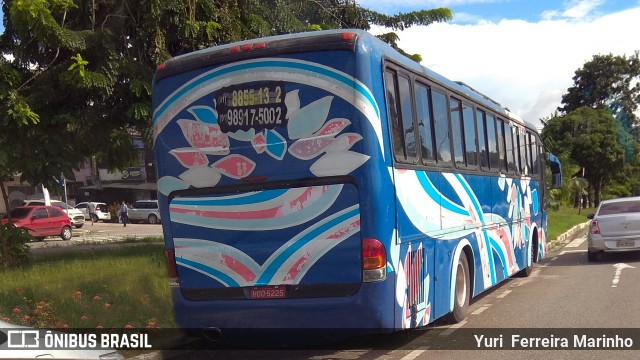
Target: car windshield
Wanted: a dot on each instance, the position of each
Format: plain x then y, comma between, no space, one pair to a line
621,207
61,205
19,213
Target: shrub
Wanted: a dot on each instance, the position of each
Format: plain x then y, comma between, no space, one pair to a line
15,252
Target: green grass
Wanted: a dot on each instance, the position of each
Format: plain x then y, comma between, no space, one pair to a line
115,288
564,219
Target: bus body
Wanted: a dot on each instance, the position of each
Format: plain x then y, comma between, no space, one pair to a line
323,180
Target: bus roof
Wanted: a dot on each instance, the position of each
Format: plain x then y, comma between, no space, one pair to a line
347,39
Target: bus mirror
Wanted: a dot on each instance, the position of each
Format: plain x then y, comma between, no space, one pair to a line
556,171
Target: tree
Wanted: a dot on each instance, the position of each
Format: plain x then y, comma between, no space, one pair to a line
79,81
589,137
612,83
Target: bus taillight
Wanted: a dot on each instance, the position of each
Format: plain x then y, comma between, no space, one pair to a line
348,36
374,260
595,228
161,67
247,47
172,268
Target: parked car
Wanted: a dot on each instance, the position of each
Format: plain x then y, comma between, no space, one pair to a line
614,227
145,210
75,215
102,211
41,221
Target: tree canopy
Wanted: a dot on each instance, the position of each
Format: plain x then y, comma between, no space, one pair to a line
75,78
588,137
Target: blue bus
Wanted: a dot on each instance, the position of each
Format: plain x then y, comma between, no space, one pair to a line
324,180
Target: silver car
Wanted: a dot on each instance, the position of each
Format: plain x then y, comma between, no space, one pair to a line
145,210
614,227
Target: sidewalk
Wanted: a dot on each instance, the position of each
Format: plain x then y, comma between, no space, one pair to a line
566,237
101,233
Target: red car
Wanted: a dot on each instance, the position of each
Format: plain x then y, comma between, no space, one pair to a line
41,221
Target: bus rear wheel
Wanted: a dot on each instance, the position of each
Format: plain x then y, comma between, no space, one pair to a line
461,292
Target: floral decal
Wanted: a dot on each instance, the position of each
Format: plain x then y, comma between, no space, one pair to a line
316,137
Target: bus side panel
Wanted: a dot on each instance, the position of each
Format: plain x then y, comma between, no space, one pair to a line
491,215
415,271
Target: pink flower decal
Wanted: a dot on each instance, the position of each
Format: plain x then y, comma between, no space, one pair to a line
344,142
333,126
259,143
207,138
235,166
307,149
190,157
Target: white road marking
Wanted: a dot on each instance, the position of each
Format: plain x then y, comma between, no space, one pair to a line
453,328
572,251
413,355
553,258
481,309
504,294
616,276
577,242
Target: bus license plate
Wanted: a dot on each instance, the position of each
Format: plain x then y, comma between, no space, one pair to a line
267,292
625,243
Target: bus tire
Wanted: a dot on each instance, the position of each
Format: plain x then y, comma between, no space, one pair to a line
461,292
534,255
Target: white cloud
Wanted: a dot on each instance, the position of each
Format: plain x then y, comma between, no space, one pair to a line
395,6
525,66
578,9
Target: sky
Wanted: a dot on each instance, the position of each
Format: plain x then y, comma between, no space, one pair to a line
521,53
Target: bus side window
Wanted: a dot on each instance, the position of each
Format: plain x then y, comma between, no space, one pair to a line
492,139
483,150
423,104
455,107
394,116
535,157
501,146
524,153
508,141
401,117
406,109
470,135
441,125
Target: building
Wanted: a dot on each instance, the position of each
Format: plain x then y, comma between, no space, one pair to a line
93,182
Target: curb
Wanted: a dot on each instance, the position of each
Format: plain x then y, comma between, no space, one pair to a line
564,238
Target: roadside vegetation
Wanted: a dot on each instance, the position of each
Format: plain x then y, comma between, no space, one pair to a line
564,218
115,288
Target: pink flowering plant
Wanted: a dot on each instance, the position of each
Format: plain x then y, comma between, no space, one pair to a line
125,288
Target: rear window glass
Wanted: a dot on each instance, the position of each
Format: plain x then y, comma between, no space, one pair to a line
20,213
619,208
102,208
54,212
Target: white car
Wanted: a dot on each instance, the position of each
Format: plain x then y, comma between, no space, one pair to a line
75,215
615,227
102,211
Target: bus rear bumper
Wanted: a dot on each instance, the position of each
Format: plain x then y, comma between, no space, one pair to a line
333,318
